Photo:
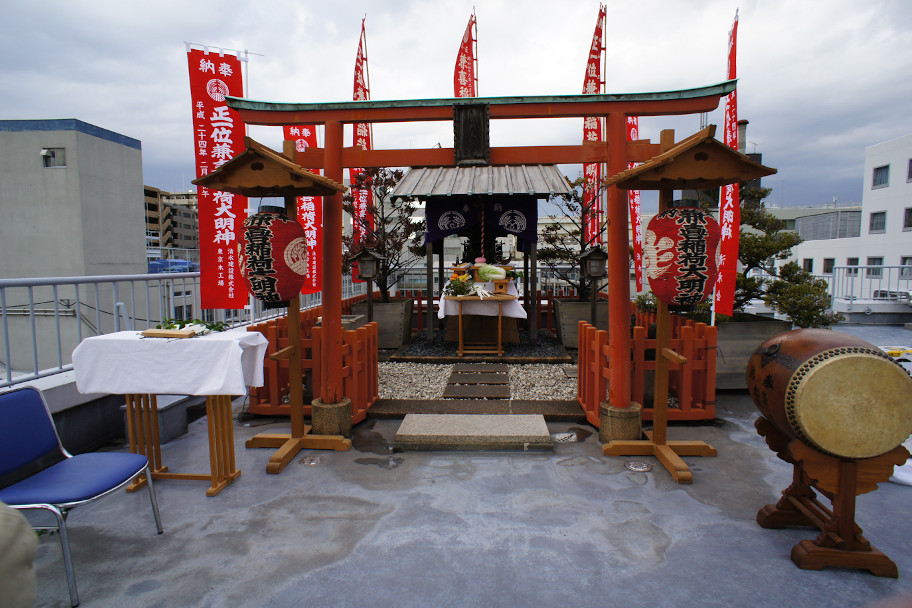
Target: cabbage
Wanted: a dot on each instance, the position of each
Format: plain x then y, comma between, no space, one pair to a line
486,272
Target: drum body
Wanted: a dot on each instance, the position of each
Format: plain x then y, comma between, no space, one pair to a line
835,392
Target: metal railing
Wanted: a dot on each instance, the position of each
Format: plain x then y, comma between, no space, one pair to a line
881,283
43,319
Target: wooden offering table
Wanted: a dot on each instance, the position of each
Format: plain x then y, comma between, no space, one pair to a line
495,347
216,365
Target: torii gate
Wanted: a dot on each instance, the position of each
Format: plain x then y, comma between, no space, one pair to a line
616,152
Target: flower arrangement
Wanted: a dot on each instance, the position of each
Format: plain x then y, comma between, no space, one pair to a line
459,285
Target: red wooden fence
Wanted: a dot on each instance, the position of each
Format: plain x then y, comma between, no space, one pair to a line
359,365
693,383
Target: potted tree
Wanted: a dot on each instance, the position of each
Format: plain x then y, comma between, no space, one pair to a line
562,241
388,229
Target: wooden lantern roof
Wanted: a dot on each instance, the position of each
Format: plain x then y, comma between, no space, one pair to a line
697,162
259,171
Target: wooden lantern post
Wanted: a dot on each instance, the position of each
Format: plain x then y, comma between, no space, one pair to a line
696,162
259,171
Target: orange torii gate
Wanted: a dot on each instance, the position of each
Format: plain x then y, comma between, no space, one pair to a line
470,117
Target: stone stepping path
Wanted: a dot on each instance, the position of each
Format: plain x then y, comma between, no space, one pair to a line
478,381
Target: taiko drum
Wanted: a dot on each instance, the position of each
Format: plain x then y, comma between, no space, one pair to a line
835,392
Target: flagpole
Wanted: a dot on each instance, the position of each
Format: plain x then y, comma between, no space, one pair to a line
367,86
475,51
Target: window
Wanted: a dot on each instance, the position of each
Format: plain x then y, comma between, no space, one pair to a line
808,264
881,177
874,272
909,175
907,219
828,264
878,222
852,262
906,272
54,157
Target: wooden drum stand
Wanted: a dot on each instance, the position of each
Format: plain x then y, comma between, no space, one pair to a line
840,542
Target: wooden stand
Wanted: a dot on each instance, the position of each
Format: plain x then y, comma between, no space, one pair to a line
656,444
143,432
840,542
495,348
299,439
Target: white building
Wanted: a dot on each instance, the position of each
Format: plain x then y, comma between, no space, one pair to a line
879,234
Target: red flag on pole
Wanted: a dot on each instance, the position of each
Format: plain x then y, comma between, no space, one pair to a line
730,204
219,136
633,204
361,138
592,131
465,77
309,212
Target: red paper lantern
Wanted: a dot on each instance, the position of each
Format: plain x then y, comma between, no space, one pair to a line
681,255
272,254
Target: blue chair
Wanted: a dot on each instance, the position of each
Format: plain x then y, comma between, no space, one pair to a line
36,472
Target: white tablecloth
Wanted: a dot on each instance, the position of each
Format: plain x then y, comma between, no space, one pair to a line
511,308
222,363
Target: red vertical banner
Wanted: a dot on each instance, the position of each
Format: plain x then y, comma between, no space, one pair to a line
219,136
730,203
465,77
592,131
309,212
361,138
633,204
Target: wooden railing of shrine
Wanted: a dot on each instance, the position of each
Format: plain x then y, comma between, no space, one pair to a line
693,383
359,365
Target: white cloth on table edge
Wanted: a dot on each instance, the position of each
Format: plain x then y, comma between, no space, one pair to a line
511,308
219,363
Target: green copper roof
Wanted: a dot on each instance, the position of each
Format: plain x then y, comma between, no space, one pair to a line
716,90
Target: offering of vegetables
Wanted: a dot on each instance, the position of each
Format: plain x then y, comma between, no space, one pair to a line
486,272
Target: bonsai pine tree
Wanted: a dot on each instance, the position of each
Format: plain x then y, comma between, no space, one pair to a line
564,238
802,297
393,232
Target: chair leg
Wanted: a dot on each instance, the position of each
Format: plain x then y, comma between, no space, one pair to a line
158,523
67,559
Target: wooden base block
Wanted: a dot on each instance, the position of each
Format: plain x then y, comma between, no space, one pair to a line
289,446
668,454
807,555
772,517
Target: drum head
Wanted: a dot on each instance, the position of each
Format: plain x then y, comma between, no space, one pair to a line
851,405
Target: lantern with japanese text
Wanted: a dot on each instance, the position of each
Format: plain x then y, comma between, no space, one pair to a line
272,254
680,255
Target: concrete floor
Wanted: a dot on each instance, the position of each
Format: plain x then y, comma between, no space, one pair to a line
373,528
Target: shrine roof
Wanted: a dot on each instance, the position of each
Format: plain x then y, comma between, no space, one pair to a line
697,162
512,180
259,171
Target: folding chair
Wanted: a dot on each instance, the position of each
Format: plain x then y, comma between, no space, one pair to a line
36,472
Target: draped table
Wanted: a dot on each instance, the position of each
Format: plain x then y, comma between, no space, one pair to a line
216,365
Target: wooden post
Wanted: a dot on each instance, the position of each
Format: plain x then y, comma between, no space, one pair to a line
532,310
429,249
332,268
618,268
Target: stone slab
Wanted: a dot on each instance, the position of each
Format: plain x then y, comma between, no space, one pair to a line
475,391
481,367
469,378
473,432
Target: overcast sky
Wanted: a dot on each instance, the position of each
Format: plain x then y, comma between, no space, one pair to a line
819,80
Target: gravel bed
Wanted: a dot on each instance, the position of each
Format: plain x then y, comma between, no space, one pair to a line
546,346
428,381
